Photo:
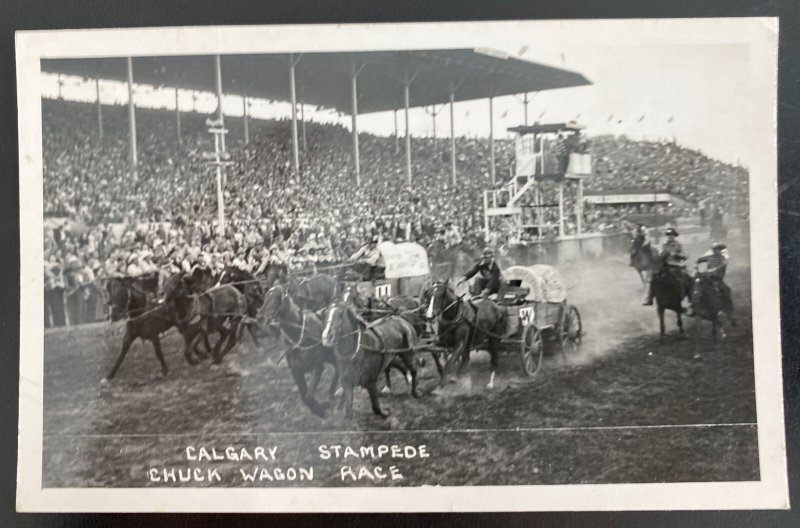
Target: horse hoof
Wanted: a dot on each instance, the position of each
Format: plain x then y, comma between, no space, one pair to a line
490,385
104,381
384,414
385,389
416,394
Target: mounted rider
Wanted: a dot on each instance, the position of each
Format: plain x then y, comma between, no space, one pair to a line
716,261
371,257
490,277
640,240
674,257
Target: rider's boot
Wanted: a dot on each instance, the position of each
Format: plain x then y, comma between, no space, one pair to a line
649,299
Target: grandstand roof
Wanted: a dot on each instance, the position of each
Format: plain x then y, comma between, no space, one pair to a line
550,128
324,79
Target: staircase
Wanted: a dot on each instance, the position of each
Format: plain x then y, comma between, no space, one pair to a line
504,200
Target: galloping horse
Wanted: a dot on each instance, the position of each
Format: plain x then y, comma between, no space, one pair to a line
147,327
464,325
250,287
218,310
302,331
669,288
406,307
363,352
201,280
315,293
642,261
708,303
131,296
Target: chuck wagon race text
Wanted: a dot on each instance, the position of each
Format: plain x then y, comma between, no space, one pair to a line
262,464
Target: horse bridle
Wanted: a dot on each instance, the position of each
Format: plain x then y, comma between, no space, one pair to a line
457,302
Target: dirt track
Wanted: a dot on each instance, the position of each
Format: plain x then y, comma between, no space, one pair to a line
626,410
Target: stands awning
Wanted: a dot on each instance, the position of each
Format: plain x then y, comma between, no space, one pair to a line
350,82
324,79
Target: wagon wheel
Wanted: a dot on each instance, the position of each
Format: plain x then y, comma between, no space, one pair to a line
532,351
571,331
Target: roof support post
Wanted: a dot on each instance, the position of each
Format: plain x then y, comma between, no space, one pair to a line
354,115
245,120
396,136
491,140
134,163
433,113
99,109
406,98
525,104
453,139
293,89
177,116
303,124
218,81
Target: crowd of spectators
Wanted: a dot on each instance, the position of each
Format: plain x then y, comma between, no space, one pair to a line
102,221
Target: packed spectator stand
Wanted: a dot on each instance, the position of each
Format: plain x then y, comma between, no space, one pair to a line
101,222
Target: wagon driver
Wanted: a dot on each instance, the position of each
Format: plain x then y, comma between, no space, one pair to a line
371,257
490,277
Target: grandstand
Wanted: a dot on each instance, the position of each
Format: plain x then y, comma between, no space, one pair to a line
169,209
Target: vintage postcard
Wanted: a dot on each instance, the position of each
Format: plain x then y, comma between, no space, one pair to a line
502,266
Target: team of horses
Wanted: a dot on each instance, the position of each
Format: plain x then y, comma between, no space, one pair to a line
322,321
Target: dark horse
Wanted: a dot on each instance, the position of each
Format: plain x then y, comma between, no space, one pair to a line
147,327
218,310
363,352
464,325
709,300
315,293
253,292
131,296
302,331
642,261
670,285
372,309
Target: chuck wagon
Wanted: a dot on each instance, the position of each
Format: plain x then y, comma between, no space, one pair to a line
537,312
407,272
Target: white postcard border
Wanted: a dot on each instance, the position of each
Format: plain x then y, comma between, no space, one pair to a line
770,492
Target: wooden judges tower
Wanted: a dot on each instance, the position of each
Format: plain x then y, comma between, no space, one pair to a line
544,153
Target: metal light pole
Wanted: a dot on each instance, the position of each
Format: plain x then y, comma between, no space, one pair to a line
219,158
218,79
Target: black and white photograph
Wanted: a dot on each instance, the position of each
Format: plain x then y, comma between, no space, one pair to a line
469,266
